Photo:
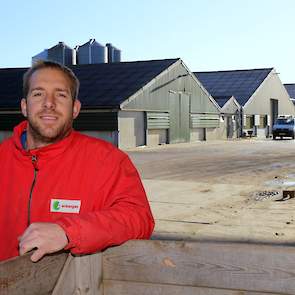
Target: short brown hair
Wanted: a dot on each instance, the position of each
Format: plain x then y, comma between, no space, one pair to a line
74,82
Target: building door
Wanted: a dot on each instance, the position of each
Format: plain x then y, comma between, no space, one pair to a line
179,130
239,125
274,110
229,127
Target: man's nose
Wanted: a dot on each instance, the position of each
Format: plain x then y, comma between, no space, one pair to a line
49,101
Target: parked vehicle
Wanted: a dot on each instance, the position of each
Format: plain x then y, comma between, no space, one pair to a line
284,127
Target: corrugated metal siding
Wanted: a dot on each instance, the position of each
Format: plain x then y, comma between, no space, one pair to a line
271,88
100,121
204,121
174,128
185,117
157,120
9,121
156,97
179,130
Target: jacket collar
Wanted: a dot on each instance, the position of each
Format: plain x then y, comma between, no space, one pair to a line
44,153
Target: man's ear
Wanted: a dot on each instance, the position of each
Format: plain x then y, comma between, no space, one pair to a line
76,108
23,105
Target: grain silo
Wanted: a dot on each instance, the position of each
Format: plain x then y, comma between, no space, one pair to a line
114,54
91,53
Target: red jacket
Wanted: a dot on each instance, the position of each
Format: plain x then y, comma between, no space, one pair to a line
86,185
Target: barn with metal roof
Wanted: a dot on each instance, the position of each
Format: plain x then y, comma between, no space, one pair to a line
130,103
259,92
230,110
291,91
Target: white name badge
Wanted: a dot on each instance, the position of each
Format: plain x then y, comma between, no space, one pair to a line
65,206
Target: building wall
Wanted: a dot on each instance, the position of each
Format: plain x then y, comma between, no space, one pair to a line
197,134
262,132
221,132
156,137
217,133
200,134
212,134
260,103
131,129
110,136
230,108
173,82
271,88
177,79
4,135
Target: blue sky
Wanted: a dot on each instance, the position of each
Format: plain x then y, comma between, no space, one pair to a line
207,35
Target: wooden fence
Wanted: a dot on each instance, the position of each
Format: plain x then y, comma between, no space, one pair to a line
157,267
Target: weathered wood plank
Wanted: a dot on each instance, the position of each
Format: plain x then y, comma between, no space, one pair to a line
134,288
66,281
88,273
236,266
20,276
81,275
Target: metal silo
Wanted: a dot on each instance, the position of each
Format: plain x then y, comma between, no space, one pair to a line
40,56
114,54
117,55
61,53
91,53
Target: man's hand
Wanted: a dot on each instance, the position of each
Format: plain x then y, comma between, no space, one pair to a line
46,237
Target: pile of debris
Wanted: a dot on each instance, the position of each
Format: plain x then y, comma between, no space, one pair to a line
274,195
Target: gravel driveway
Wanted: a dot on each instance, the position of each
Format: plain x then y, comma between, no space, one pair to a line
221,190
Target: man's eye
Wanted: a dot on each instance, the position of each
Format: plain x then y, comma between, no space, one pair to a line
62,94
37,94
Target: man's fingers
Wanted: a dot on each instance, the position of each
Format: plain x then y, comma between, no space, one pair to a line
29,240
37,255
26,246
44,237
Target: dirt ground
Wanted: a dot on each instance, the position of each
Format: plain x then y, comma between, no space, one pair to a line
221,190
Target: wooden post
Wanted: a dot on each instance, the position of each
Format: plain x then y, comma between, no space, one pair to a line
81,275
20,276
157,267
215,268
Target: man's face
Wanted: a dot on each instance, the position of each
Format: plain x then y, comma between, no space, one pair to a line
49,106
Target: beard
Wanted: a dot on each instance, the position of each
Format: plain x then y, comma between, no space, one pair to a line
44,134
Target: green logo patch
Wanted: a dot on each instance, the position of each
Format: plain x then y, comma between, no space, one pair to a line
56,205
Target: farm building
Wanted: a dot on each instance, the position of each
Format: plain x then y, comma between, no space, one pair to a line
230,116
291,91
130,103
259,92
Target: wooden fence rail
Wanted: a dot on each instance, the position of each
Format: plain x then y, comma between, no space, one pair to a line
157,267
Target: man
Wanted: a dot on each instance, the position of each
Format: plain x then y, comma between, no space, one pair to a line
61,189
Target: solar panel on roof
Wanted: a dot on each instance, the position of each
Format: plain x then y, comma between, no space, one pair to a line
290,89
100,84
241,84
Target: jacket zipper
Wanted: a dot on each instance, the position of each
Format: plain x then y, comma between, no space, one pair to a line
34,161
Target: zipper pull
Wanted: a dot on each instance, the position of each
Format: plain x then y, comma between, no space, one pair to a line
34,161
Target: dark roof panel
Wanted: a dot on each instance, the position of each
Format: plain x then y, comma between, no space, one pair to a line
221,100
239,83
290,89
11,87
101,85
